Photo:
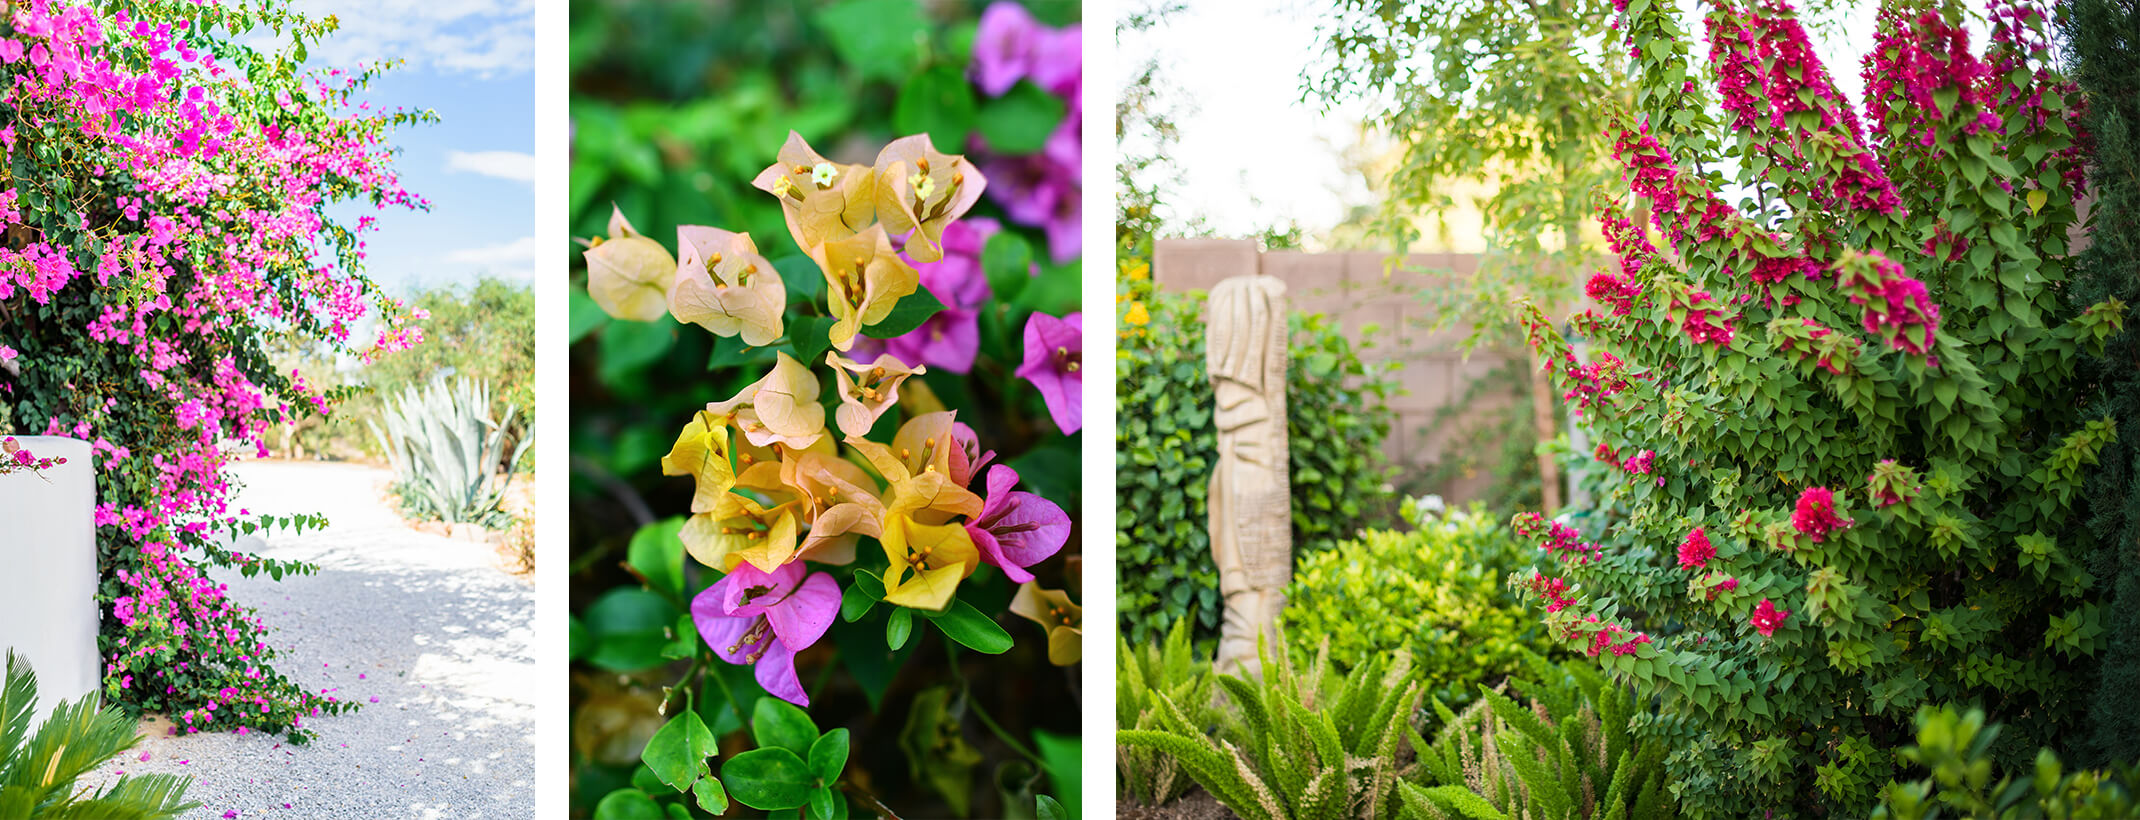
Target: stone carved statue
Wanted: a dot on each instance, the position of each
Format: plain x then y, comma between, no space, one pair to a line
1251,493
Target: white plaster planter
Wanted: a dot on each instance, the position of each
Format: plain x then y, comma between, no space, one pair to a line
48,570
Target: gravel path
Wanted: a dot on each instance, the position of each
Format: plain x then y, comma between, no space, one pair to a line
424,631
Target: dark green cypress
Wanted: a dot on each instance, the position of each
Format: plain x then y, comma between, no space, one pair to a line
2103,38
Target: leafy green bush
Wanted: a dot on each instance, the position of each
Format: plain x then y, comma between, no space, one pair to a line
38,769
1564,751
1955,748
1846,443
1437,591
1142,675
446,452
1298,744
1165,449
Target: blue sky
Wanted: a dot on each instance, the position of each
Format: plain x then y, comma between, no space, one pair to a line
470,61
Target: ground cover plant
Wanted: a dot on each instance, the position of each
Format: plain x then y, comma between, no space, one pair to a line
804,420
172,171
1831,390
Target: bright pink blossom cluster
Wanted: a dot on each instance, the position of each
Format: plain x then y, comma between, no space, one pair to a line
1596,381
1897,307
1706,322
1767,617
1557,539
1607,637
1554,591
1816,515
14,457
1695,551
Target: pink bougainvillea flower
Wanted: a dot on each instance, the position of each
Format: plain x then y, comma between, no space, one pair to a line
867,391
949,339
1054,611
781,407
1767,617
1816,514
761,619
824,201
1706,325
1054,363
1003,44
1891,483
723,285
1040,191
1695,551
628,274
921,190
864,279
1897,307
1016,529
1615,290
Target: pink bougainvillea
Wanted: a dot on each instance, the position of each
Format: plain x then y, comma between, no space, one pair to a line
1815,515
1695,551
187,222
1767,617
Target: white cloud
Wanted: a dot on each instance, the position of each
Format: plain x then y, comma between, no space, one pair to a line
513,165
512,260
481,37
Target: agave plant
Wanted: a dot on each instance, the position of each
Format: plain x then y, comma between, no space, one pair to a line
38,770
446,451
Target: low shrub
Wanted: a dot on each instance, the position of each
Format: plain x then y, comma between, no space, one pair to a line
1436,591
1142,675
1955,748
38,769
1166,448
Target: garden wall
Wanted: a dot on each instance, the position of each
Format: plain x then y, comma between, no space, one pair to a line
1351,286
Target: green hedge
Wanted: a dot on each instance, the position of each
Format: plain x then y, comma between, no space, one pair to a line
1165,451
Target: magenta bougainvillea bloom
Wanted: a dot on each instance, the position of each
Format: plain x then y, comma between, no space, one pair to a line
1891,483
1816,515
761,619
1614,290
1016,529
1695,551
1897,307
1767,617
1706,325
1055,363
949,339
1045,189
1641,463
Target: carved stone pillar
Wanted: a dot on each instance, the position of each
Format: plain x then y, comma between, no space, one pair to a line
1251,492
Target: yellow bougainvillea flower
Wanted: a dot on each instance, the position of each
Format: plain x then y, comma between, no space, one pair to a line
743,530
927,561
920,189
864,278
1052,609
840,503
723,285
782,407
628,274
867,390
929,494
702,452
937,441
823,200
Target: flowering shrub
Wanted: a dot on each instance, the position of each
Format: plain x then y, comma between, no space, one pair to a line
16,458
1858,387
865,384
166,216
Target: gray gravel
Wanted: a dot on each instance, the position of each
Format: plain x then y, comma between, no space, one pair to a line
424,631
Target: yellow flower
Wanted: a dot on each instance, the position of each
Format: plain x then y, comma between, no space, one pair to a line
628,274
1064,621
723,285
867,390
702,452
920,189
740,529
1137,315
927,561
823,201
925,491
781,407
864,278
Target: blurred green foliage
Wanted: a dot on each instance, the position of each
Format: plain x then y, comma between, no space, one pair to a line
1437,590
1165,450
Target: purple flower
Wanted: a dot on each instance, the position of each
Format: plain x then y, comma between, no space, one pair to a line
1003,47
1054,363
949,339
1016,529
757,618
1039,190
1058,64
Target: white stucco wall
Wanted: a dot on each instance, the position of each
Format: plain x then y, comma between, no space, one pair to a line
48,570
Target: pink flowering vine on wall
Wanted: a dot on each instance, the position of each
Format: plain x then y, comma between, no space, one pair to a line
168,215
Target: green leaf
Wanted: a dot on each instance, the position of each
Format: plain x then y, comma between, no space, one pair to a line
855,602
627,804
657,555
776,723
677,752
1047,808
912,310
968,626
879,39
585,316
808,336
627,346
828,756
939,101
1007,259
709,794
629,627
821,803
768,779
805,280
1020,121
898,628
1063,758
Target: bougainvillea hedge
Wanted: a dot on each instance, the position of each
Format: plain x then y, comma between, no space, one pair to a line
1833,386
166,212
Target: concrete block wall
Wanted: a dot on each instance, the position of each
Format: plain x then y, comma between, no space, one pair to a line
1360,289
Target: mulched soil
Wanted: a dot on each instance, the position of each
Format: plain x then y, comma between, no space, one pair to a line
1195,805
